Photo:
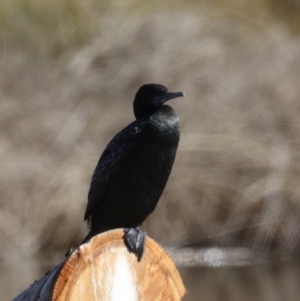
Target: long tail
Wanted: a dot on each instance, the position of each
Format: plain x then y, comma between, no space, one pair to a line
86,239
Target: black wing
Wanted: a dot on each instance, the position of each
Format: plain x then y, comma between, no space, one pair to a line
109,162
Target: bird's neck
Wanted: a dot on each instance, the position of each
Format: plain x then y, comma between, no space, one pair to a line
165,124
142,113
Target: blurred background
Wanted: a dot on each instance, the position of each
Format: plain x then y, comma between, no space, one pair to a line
69,69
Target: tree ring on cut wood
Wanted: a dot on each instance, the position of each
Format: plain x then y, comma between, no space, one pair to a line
103,269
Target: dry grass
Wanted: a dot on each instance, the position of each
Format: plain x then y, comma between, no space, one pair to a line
52,28
235,180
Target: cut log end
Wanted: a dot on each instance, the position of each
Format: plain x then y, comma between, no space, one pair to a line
104,270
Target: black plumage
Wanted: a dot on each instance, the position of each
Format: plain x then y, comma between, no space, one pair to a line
134,168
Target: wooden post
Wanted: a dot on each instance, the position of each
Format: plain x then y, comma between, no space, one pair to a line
103,270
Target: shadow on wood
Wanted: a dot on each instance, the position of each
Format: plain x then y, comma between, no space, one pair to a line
103,269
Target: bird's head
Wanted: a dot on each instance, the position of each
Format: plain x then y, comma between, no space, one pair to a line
149,98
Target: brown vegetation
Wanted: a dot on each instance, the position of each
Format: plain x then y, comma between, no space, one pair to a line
66,89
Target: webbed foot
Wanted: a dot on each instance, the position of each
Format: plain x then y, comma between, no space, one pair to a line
134,239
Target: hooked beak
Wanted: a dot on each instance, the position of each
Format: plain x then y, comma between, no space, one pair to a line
169,95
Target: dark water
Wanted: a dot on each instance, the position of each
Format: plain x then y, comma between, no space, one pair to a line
237,274
267,282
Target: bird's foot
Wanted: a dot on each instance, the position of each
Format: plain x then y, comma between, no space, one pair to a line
134,239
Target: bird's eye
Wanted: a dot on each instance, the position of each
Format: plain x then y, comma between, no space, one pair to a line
159,93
